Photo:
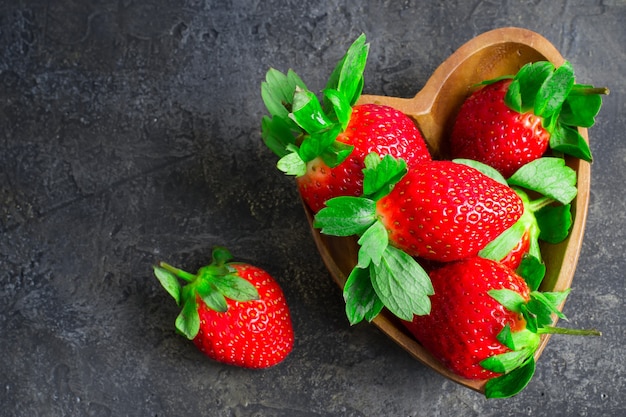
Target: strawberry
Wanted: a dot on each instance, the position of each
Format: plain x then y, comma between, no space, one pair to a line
514,119
323,144
372,128
438,210
235,313
462,327
445,211
485,323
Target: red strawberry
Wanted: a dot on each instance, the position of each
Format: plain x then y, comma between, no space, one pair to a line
513,121
487,130
485,323
445,211
323,144
462,327
438,210
235,313
372,128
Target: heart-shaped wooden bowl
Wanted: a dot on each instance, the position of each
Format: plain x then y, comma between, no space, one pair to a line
489,55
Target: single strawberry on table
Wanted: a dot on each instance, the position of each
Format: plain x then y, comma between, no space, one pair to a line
234,312
323,144
513,120
439,210
485,323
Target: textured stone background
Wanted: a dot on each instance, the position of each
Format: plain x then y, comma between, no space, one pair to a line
130,132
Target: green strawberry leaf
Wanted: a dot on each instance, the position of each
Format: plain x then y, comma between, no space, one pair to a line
510,299
513,96
483,168
361,299
292,164
582,106
567,140
554,223
539,310
347,77
220,256
526,84
278,91
217,268
210,295
341,106
518,340
351,75
506,362
188,321
525,339
277,134
554,90
307,112
548,176
320,143
236,288
532,270
510,384
169,281
498,248
551,123
346,216
337,152
537,313
401,284
544,304
532,323
505,336
373,244
381,175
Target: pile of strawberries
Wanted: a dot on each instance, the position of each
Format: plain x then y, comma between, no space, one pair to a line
449,246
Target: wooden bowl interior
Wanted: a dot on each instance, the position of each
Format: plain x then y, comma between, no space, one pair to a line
492,54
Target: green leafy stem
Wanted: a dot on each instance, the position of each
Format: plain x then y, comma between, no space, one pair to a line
211,285
547,218
300,127
384,276
518,364
553,94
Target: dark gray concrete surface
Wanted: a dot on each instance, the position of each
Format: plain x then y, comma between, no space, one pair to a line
130,133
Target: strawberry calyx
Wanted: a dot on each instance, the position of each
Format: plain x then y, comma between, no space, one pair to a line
518,364
547,218
301,128
563,105
211,285
384,276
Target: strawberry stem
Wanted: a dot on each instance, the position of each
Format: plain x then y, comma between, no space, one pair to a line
178,272
573,332
540,203
590,91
